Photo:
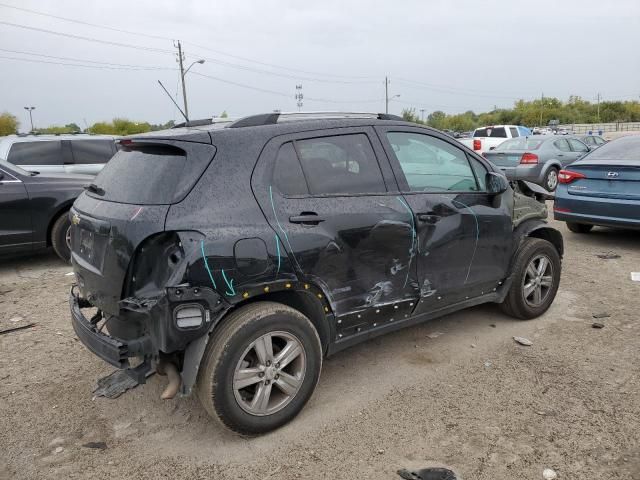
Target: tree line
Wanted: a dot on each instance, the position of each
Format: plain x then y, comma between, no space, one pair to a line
534,113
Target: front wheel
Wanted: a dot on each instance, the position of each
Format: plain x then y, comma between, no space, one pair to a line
536,277
579,227
260,367
551,179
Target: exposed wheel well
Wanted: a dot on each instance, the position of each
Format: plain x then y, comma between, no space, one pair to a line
551,235
62,211
304,302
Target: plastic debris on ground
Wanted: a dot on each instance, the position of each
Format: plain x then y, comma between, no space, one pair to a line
635,276
549,474
114,384
597,325
608,256
434,335
523,341
601,315
436,473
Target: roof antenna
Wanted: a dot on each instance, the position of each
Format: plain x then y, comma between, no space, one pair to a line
174,102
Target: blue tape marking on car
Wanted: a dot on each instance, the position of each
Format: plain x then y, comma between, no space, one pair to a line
475,217
231,291
413,239
206,264
279,254
286,237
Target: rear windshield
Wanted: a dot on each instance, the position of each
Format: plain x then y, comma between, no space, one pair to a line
497,132
147,175
520,143
625,148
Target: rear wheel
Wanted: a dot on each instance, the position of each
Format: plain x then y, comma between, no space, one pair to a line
551,179
536,277
61,237
579,227
260,367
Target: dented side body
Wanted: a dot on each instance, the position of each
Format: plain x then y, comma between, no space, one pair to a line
375,263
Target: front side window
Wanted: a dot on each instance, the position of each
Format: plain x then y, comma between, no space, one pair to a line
92,151
431,164
589,140
36,153
344,164
599,141
578,146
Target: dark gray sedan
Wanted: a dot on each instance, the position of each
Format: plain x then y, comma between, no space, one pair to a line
536,159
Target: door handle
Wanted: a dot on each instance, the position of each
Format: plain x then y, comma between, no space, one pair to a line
426,217
307,218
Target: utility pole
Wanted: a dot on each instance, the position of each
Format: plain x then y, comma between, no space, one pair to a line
422,114
541,107
184,88
30,109
598,107
386,94
299,96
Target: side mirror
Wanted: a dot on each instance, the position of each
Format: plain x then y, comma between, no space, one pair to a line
496,183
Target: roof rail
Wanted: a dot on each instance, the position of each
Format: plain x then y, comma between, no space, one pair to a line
202,122
280,117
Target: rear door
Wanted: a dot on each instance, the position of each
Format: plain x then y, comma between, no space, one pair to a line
578,148
331,199
16,232
564,153
46,156
463,236
89,156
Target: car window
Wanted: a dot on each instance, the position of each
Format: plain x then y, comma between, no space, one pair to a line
562,145
520,143
589,140
524,132
92,151
36,153
481,173
578,146
514,132
431,164
497,132
599,141
287,174
343,164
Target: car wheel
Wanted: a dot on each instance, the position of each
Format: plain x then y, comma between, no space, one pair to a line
579,227
536,277
260,367
61,237
551,179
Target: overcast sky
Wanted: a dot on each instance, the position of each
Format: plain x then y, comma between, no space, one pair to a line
439,55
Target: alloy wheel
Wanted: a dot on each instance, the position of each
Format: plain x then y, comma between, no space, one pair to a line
269,373
537,281
67,237
552,180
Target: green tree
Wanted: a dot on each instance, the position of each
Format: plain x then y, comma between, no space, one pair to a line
8,124
224,114
437,120
409,114
120,126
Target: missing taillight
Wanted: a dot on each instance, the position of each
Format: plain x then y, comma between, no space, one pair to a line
567,176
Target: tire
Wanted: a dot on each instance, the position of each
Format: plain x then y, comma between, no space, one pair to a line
60,238
579,227
550,182
230,348
522,301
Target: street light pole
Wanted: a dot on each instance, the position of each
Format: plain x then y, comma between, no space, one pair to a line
183,72
30,109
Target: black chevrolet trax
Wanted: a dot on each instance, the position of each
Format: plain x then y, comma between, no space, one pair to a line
233,257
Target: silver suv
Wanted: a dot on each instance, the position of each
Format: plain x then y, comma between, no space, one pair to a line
84,154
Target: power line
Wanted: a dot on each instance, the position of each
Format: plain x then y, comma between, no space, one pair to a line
146,67
104,67
456,91
88,39
80,22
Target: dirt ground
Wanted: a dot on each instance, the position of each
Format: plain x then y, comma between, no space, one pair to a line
471,398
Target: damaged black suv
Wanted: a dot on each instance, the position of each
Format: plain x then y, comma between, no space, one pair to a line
235,256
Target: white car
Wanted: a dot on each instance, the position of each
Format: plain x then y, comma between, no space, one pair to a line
488,138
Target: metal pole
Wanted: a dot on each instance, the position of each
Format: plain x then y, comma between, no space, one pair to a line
598,107
386,95
422,112
30,109
184,88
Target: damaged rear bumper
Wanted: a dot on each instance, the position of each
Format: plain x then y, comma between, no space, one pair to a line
110,349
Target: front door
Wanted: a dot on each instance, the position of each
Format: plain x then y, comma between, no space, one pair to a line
340,218
463,234
15,214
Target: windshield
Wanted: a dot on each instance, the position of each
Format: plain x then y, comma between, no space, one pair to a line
625,148
491,132
520,143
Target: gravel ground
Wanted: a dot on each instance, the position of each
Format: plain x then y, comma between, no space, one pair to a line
471,398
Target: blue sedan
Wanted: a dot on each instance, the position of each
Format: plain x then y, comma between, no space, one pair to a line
602,188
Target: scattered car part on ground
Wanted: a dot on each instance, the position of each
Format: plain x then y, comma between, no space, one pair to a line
536,159
69,153
603,188
243,254
34,210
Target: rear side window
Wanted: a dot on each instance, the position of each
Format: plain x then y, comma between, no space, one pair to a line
92,151
578,146
514,132
287,175
36,153
491,132
589,140
147,175
344,164
562,145
599,141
